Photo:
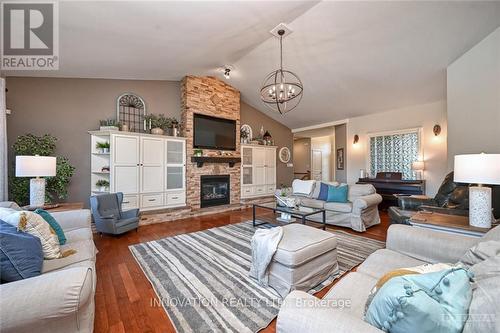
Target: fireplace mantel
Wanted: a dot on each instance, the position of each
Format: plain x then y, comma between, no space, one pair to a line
199,160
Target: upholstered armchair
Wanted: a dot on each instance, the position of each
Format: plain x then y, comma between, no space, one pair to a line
451,198
109,217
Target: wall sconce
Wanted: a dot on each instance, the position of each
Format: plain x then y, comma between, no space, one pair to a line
356,139
436,129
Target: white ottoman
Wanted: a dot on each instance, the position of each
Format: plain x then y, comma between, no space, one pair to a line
305,257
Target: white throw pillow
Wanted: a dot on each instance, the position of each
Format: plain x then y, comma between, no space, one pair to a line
303,187
5,213
35,225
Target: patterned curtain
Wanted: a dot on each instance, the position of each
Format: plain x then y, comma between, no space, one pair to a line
394,153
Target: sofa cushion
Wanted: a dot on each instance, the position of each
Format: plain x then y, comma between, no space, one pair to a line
5,213
493,234
303,187
85,250
480,252
337,193
354,287
341,207
53,224
359,190
323,193
80,234
382,261
315,192
301,243
9,204
313,203
21,255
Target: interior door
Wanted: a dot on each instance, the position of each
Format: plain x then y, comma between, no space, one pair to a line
152,164
125,163
317,160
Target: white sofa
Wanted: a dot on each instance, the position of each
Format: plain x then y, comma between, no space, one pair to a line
61,299
406,247
359,213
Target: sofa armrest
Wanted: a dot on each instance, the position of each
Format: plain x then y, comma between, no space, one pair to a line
364,202
45,300
73,219
412,203
428,245
301,312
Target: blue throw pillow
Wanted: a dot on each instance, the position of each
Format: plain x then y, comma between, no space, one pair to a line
21,254
337,193
53,224
323,192
423,303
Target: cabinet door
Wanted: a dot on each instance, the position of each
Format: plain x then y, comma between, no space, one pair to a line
126,179
175,151
259,175
270,175
247,175
246,156
175,177
270,157
259,156
125,150
152,164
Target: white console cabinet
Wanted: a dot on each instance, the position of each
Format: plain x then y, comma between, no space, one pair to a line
149,169
258,171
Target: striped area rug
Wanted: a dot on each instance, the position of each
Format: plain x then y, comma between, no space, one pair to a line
202,282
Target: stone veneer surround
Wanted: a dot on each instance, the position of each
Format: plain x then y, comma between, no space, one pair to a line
213,97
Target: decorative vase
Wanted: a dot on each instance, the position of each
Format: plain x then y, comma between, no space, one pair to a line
175,131
125,128
157,131
105,150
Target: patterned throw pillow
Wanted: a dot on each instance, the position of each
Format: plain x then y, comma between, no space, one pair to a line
35,225
53,224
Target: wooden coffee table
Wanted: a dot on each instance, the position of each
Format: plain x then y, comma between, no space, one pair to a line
446,223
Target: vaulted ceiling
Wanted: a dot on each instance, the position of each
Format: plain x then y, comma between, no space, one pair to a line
353,57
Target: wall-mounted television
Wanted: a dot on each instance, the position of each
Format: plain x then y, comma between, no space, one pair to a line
214,133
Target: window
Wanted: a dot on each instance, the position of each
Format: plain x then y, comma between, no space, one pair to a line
395,152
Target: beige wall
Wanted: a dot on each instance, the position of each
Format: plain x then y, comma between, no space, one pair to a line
425,116
68,108
302,155
282,136
474,100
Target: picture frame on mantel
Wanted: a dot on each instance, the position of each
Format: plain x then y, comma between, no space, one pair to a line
340,159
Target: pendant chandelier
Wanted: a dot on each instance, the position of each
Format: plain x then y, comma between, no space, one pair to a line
281,90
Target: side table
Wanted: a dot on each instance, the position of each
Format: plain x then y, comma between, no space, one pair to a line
446,223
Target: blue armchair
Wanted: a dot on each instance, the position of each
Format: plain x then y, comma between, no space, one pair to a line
109,217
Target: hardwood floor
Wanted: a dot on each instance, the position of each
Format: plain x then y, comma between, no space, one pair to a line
124,294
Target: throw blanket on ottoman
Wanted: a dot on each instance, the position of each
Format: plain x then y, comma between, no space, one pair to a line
264,244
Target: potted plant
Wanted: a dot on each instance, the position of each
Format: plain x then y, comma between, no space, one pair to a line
102,185
102,147
197,152
108,125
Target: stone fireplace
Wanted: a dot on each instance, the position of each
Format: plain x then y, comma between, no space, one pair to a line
213,97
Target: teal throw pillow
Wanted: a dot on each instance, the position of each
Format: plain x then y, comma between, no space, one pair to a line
337,193
53,224
423,303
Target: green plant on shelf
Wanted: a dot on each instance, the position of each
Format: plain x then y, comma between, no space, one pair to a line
102,183
102,145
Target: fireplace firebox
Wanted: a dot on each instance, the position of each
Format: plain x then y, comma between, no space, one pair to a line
214,190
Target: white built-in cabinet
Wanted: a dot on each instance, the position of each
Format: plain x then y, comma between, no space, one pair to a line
149,169
258,170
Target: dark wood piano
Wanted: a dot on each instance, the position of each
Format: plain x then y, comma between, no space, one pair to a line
388,184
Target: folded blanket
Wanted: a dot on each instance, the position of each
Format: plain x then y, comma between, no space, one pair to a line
264,245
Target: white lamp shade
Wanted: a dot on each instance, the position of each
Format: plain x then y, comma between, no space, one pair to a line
418,165
477,169
35,166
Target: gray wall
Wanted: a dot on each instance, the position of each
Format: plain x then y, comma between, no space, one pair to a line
281,134
340,142
474,100
68,108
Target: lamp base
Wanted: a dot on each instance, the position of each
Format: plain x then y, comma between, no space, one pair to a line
37,192
480,206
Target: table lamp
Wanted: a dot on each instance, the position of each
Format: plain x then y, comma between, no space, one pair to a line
418,166
478,169
36,166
